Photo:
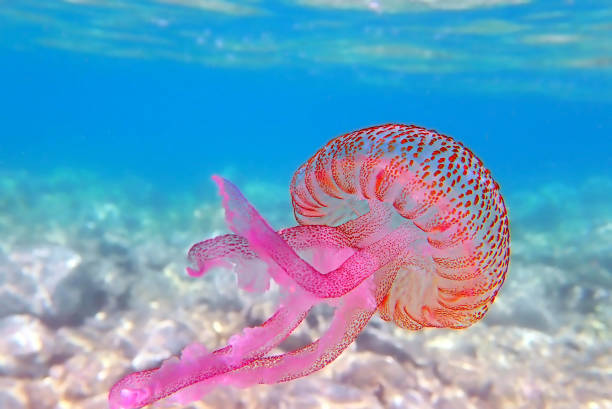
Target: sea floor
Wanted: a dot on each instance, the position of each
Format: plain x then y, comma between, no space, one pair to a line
92,286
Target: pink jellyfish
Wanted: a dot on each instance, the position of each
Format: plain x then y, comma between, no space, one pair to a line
399,219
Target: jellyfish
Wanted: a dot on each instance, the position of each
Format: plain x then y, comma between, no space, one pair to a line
399,220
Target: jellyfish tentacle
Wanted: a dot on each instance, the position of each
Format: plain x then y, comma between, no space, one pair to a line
244,220
349,320
247,351
350,317
220,250
196,364
232,250
243,360
368,228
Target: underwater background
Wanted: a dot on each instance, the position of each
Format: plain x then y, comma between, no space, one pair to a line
114,114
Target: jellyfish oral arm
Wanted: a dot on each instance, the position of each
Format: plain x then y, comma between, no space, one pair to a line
245,221
197,365
243,362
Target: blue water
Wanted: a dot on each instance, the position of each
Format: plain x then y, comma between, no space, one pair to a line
175,123
69,102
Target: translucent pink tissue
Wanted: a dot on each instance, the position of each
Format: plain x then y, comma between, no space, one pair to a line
244,361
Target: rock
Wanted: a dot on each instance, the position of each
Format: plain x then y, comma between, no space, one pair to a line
76,298
47,282
377,375
383,343
318,392
162,340
113,245
294,342
16,289
154,254
11,394
26,346
97,402
41,394
87,375
527,298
